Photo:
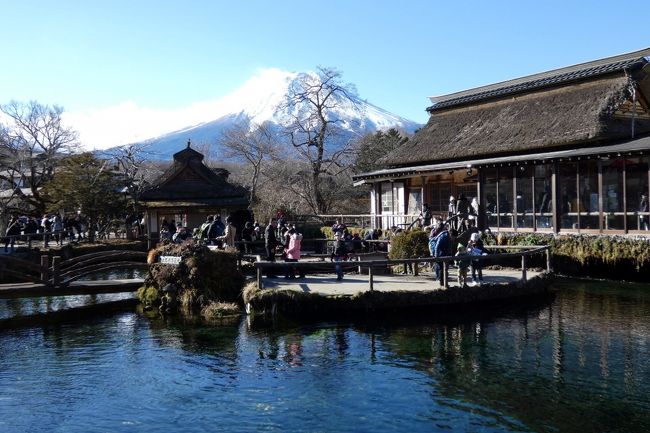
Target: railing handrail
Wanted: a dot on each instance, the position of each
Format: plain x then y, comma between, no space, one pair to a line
388,262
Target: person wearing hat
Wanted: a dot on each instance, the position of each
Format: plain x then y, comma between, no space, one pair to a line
476,248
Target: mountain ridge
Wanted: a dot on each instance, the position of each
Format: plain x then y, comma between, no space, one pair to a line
261,100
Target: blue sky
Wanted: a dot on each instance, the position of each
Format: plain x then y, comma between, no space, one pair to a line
91,55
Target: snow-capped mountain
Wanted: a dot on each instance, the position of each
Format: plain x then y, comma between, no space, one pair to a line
261,100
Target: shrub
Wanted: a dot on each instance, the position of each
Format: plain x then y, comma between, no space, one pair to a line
409,245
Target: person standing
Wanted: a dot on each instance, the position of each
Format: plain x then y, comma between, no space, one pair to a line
293,254
451,210
425,215
46,225
228,237
247,236
270,244
13,230
476,249
442,248
340,254
643,212
57,228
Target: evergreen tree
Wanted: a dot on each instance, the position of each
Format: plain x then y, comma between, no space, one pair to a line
87,184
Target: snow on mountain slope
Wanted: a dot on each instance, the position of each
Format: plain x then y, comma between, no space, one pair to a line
260,100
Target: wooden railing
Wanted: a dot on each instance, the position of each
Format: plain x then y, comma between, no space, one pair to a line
56,272
524,253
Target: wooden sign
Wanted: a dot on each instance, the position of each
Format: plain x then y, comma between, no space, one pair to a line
170,260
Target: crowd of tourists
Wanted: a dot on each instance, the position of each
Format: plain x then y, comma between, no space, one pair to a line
441,241
461,214
48,228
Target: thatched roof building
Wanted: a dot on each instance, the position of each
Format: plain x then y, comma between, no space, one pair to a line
189,191
189,182
590,109
586,104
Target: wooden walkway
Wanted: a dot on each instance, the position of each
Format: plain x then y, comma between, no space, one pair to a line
326,284
31,290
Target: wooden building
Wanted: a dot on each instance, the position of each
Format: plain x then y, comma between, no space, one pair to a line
566,150
189,191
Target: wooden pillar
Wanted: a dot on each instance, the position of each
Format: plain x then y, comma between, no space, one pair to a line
45,267
56,270
601,194
416,270
625,227
523,268
482,215
370,279
548,260
554,197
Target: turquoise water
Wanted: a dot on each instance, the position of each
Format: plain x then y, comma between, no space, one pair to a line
573,362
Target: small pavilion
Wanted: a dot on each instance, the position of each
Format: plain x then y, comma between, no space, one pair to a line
189,191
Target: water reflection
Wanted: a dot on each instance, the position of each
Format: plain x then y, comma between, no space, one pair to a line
572,362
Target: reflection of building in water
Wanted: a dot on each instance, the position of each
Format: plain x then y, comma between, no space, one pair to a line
566,150
579,346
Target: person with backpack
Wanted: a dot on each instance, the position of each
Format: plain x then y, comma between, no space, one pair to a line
205,227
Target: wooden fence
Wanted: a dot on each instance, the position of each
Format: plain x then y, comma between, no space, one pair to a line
522,252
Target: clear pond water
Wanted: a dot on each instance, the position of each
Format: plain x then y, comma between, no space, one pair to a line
573,362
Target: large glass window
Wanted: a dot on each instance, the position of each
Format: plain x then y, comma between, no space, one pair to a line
612,193
440,198
636,189
524,197
588,196
490,191
414,201
505,198
386,198
543,197
567,196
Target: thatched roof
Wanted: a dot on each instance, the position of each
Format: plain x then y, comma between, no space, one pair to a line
580,111
189,181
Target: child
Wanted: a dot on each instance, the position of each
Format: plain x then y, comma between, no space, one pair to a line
463,264
476,249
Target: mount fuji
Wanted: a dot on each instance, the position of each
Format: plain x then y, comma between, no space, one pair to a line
260,100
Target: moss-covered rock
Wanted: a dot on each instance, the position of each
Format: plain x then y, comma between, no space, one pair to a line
203,277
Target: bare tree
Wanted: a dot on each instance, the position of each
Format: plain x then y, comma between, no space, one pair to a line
257,145
134,170
315,129
33,139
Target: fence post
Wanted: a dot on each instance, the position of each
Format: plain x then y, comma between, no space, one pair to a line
445,275
370,279
45,265
56,270
358,260
416,271
259,278
548,260
523,268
